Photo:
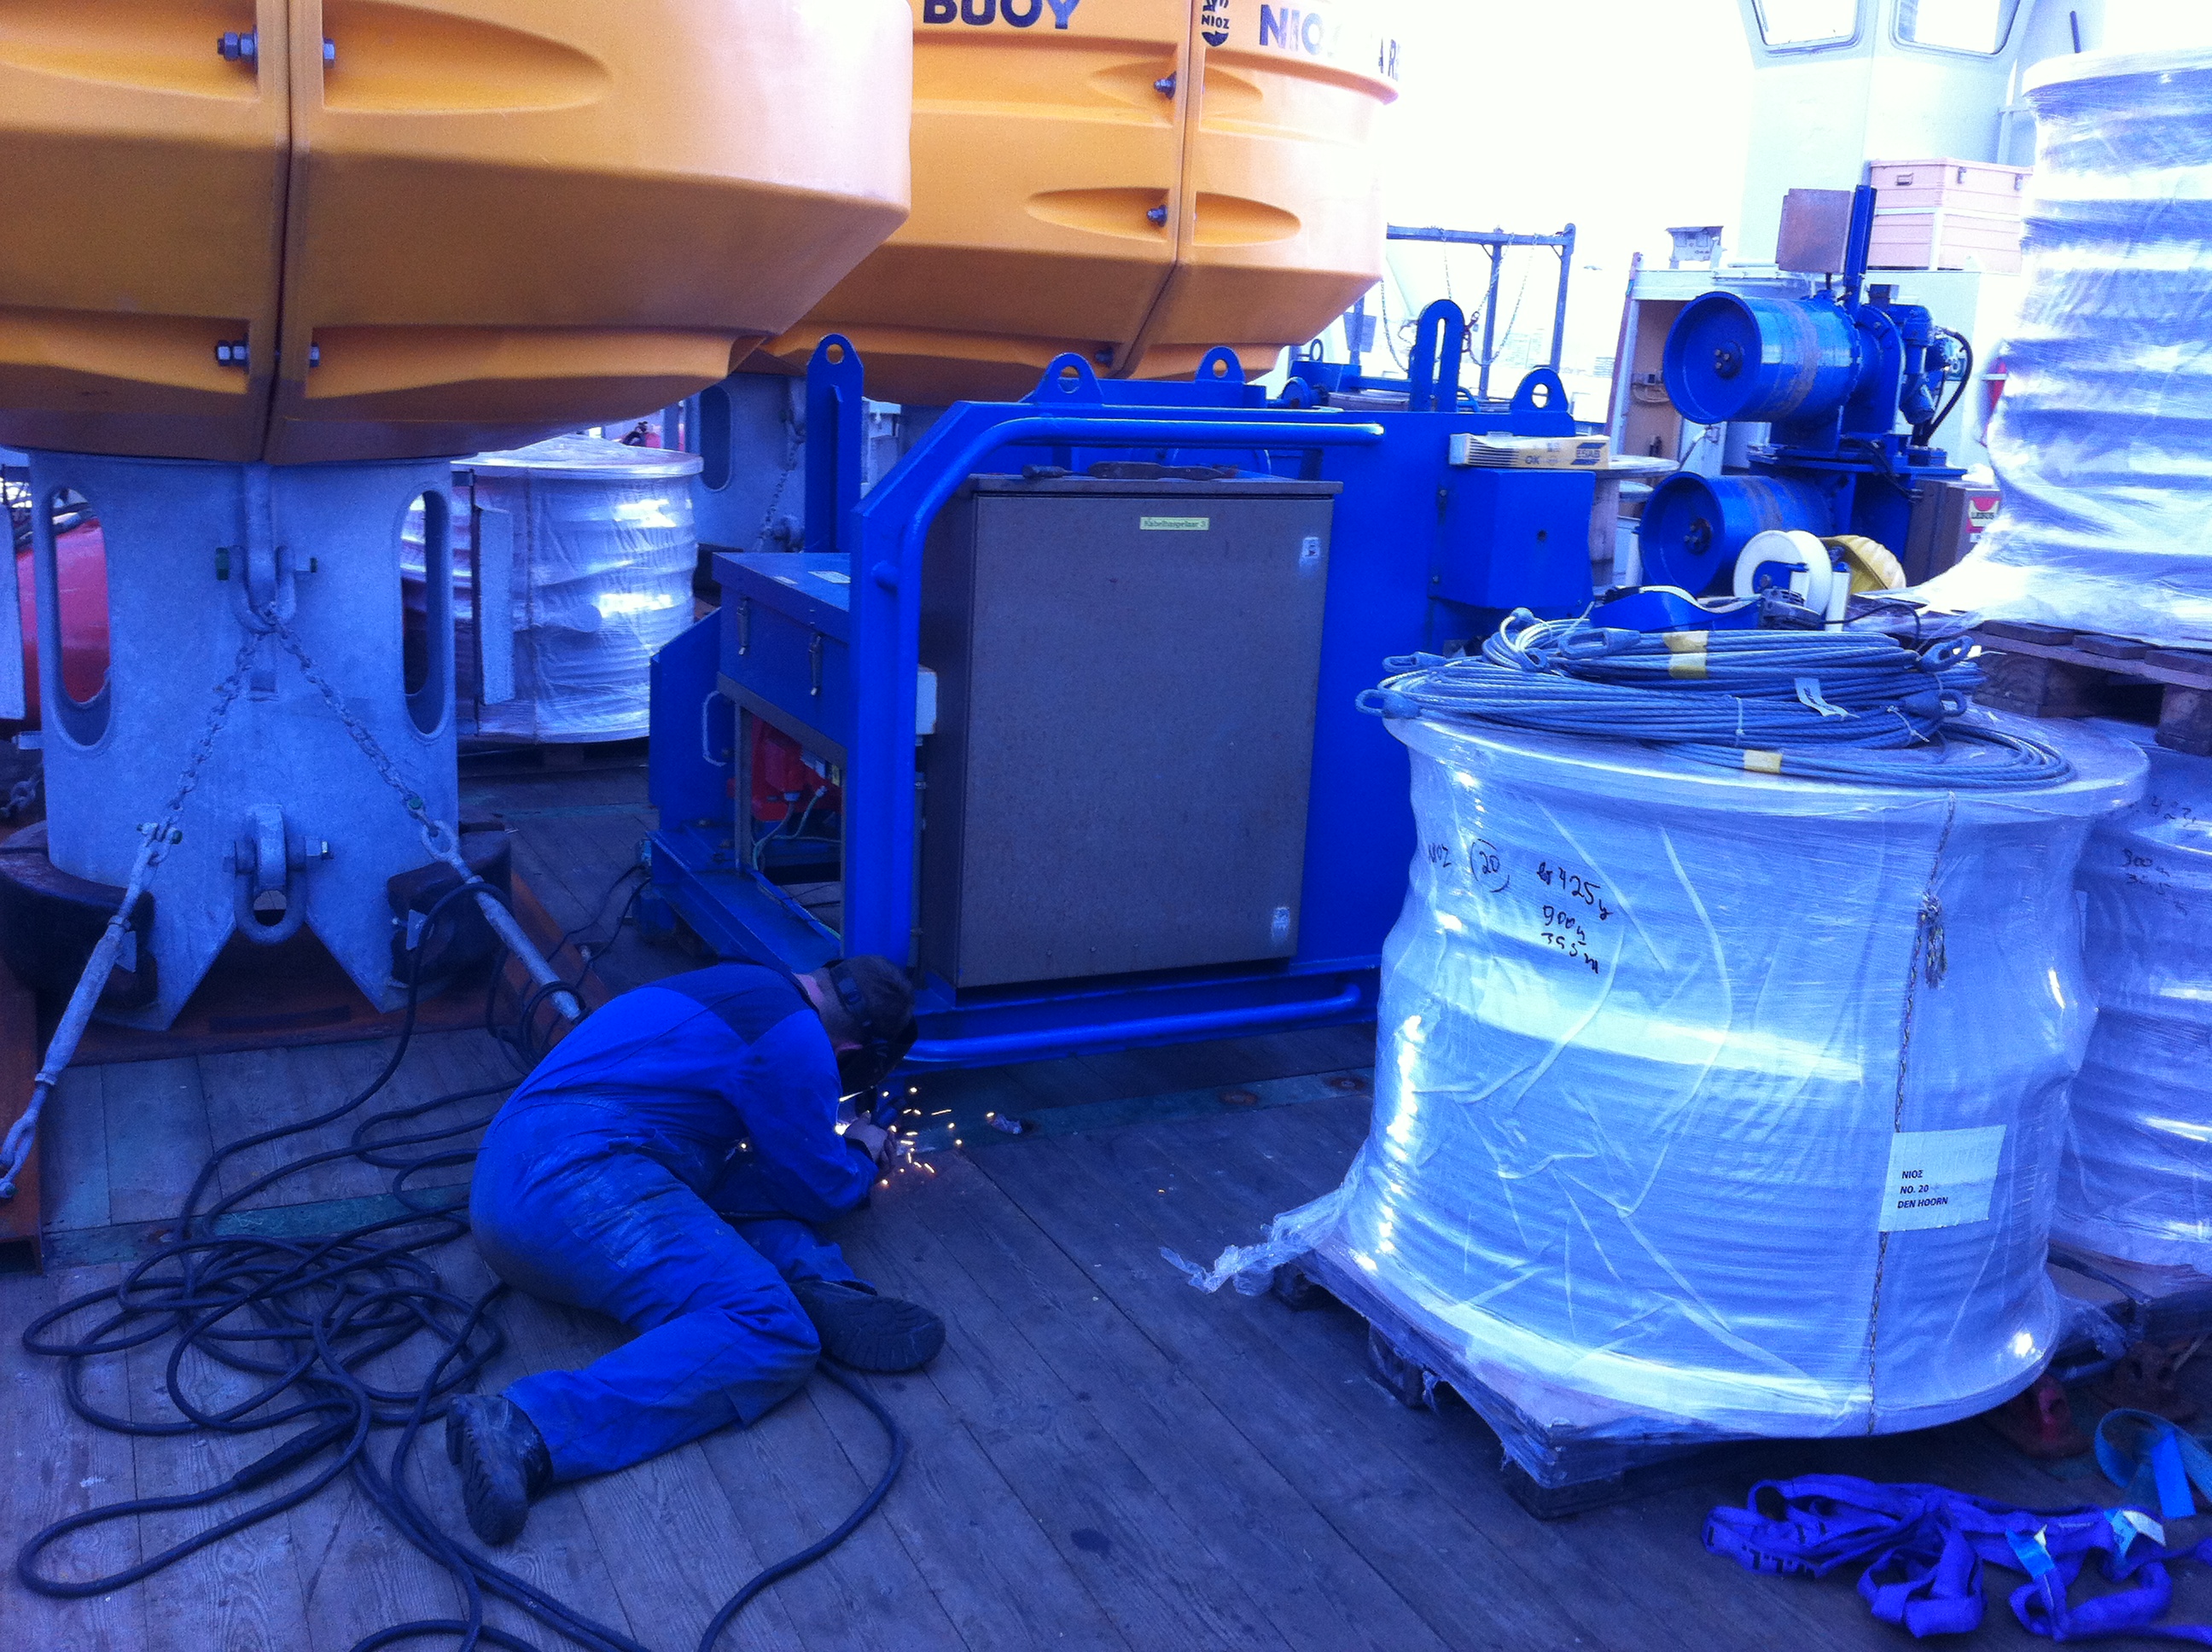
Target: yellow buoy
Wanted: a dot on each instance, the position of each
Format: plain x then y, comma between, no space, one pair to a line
1871,565
342,229
1136,180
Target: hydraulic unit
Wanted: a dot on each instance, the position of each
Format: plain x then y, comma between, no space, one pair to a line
1061,711
1831,374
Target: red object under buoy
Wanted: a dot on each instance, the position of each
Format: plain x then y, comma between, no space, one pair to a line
81,568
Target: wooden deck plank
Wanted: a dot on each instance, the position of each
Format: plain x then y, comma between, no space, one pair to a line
1183,1461
157,1136
564,866
1640,1563
73,1152
56,1466
791,1477
1231,1061
993,1566
1135,1554
1332,1439
242,1593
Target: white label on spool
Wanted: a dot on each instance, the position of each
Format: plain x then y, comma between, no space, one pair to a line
1940,1178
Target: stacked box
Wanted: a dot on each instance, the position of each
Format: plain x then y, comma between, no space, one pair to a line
1946,215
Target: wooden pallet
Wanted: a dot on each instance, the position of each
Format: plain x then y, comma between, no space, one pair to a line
1413,1366
264,1009
2044,671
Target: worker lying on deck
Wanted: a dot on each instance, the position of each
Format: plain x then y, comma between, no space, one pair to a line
663,1165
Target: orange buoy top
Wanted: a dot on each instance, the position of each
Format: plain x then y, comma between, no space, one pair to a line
1137,180
333,229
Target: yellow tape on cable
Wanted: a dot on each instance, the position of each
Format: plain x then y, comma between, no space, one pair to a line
1763,762
1687,665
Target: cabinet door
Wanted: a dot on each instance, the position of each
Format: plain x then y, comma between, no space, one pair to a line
1140,691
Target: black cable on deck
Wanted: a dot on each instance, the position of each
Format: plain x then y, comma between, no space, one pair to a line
309,1317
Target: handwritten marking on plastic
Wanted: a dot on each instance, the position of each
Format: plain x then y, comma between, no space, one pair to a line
1940,1178
1487,866
1567,919
2174,810
2145,870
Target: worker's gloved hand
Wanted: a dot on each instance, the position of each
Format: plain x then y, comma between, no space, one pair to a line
878,1143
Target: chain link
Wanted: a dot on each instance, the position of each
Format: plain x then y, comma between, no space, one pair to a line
158,837
226,695
438,837
436,832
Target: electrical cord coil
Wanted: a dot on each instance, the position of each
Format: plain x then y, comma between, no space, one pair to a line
310,1322
1818,705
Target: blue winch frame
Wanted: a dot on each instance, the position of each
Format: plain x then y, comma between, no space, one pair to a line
1857,359
1416,557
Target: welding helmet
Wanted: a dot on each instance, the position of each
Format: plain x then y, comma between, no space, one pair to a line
882,1047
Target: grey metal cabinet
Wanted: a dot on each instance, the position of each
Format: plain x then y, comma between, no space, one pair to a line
1125,674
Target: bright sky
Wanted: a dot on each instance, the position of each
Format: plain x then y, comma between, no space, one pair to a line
1622,116
1623,121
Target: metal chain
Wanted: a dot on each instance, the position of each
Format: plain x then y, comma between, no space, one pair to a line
158,836
225,694
436,831
795,440
440,839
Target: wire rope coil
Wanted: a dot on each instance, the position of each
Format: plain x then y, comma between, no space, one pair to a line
1859,706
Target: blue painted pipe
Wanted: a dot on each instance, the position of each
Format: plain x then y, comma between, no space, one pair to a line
1149,1029
1695,526
1764,360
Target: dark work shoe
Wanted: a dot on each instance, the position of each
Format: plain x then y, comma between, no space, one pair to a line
867,1331
503,1462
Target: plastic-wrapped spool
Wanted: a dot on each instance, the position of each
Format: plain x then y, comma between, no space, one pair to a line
1716,1104
2137,1184
2100,440
1746,356
1694,526
603,554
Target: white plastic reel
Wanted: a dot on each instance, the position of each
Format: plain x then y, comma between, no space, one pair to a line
1792,559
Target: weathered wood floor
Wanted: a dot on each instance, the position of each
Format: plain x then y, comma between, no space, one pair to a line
1102,1457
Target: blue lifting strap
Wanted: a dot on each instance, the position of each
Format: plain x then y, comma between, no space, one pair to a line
1924,1548
2153,1462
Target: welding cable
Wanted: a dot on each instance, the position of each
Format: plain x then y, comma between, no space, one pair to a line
306,1320
599,910
522,1041
1820,705
895,1437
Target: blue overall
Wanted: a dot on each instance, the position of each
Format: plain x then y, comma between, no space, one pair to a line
661,1166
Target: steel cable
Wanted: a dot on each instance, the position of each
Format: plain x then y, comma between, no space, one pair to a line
1841,705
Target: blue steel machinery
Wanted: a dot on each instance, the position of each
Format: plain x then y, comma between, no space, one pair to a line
1068,696
1833,372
